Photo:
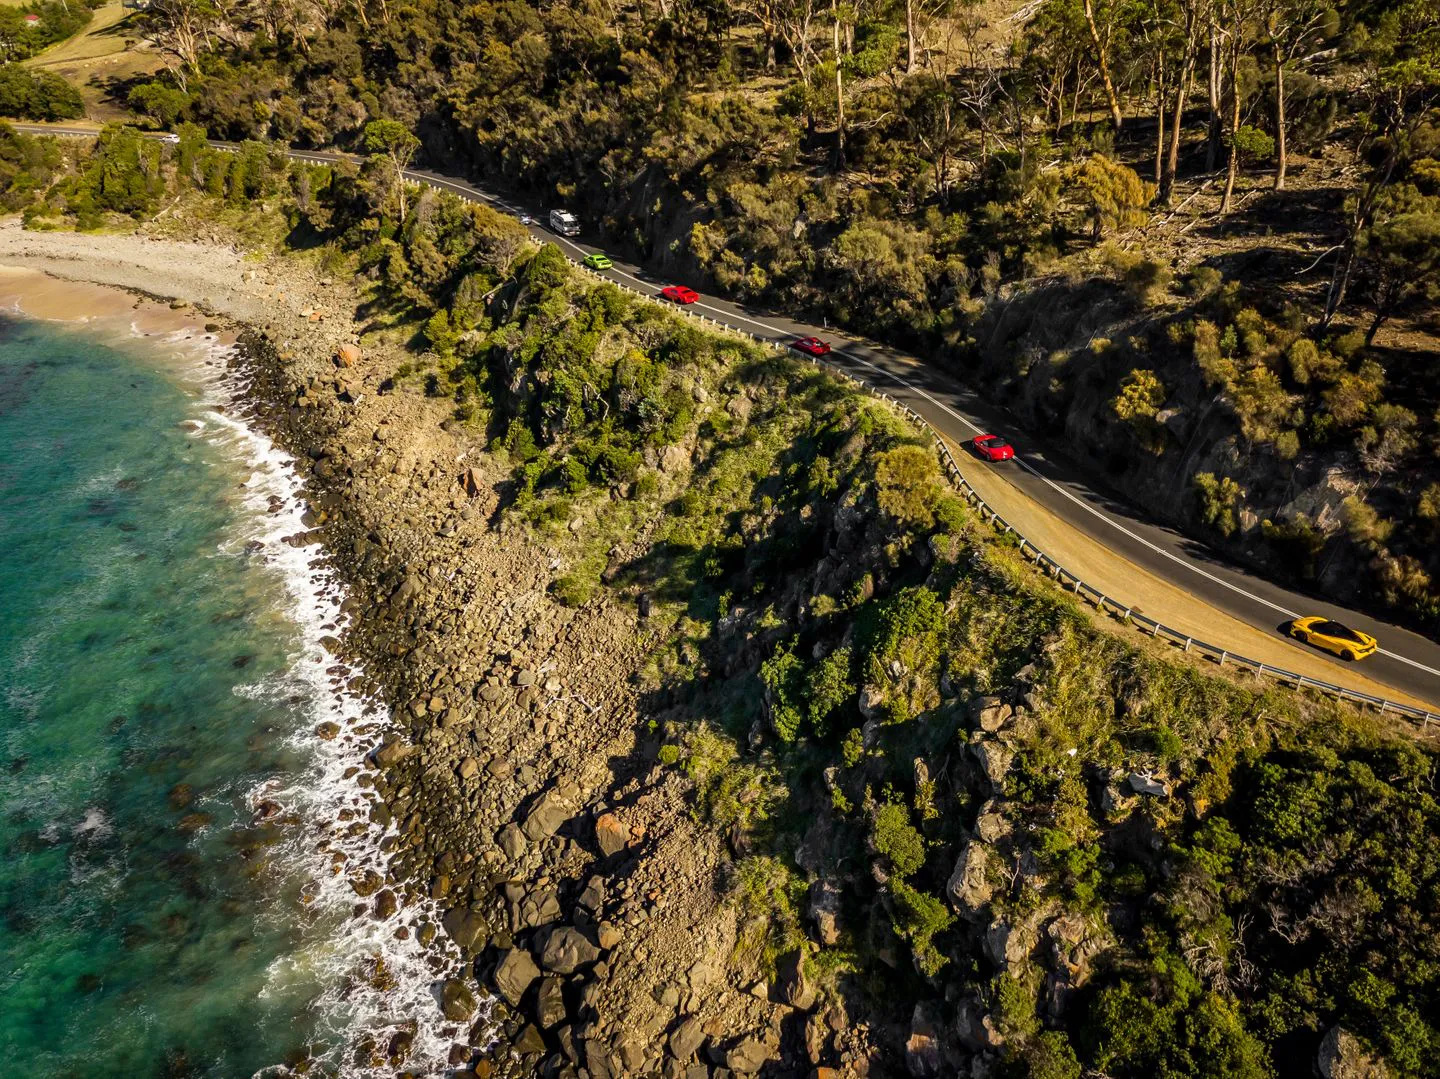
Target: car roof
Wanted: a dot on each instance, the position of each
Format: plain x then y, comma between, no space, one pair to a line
1336,629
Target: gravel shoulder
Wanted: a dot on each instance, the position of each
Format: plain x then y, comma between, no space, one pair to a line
1149,595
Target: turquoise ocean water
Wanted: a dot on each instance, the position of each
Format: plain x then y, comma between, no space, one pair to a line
158,680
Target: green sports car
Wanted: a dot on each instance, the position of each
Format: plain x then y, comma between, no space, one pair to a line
598,261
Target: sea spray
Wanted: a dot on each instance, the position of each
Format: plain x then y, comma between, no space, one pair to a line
179,836
382,983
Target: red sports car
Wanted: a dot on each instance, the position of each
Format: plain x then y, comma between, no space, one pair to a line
993,448
813,345
679,294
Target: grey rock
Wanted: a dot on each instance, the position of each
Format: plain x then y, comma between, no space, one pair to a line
511,840
686,1039
748,1057
974,1028
824,910
457,1001
392,753
631,1050
990,713
611,835
994,760
529,1042
870,700
923,1054
567,949
550,1004
593,897
991,826
1342,1057
546,816
794,988
969,887
1144,784
466,928
514,973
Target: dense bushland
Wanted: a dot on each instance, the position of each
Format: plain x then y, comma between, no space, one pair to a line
914,170
970,811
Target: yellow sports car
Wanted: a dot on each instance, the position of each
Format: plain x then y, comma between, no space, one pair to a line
1348,644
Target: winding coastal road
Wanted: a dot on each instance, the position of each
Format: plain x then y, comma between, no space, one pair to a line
1407,661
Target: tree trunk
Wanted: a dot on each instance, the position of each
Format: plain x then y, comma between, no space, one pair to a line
1159,121
909,37
1280,151
1212,149
1103,59
1233,166
839,90
1172,156
1381,316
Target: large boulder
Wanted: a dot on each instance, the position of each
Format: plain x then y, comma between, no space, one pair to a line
994,760
991,825
824,910
686,1039
550,1003
924,1055
611,835
1342,1056
748,1057
1142,783
514,973
392,753
567,950
472,482
467,928
969,887
974,1026
546,816
791,984
990,713
1007,945
457,1001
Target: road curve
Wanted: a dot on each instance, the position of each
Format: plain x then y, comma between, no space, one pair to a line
1407,661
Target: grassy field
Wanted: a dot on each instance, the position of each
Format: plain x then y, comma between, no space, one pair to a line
106,52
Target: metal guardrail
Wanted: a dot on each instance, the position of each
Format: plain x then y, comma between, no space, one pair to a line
1064,577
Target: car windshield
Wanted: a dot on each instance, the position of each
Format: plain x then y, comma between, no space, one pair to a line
1335,629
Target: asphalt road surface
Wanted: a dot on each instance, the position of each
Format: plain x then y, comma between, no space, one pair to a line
1406,660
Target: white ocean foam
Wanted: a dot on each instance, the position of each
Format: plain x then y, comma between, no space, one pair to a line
338,948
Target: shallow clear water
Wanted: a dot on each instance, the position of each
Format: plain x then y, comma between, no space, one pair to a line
150,685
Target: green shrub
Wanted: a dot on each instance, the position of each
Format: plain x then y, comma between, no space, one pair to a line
919,918
37,95
1140,397
908,485
1218,498
896,838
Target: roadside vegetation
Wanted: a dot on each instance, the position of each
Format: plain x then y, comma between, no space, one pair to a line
1239,197
972,813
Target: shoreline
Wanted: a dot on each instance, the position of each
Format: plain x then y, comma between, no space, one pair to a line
518,788
378,999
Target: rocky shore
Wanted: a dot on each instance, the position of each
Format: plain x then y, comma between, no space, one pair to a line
525,796
520,782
